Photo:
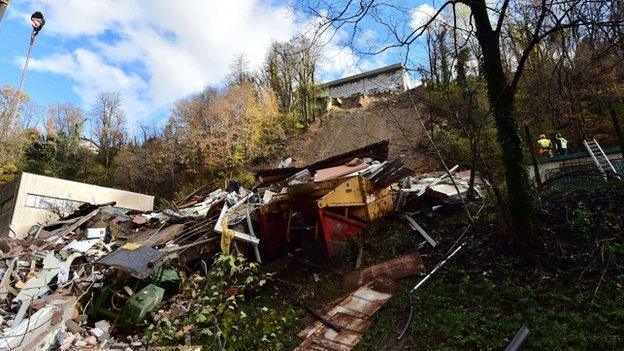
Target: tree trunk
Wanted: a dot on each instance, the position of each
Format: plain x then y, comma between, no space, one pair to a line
538,178
526,231
617,127
471,182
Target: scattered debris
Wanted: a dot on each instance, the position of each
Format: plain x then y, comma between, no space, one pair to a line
397,268
352,315
119,265
415,226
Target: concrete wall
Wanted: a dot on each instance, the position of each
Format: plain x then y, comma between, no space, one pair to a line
8,194
546,166
25,217
387,82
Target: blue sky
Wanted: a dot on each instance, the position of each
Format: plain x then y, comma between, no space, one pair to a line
14,39
155,52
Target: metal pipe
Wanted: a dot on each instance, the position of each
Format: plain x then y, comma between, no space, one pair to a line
420,283
518,340
324,320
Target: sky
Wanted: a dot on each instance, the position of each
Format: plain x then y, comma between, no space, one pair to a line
156,52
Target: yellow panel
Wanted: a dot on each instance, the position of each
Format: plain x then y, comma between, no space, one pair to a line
377,208
363,200
351,192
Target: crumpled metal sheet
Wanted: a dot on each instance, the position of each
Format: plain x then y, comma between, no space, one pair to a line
139,262
352,166
353,315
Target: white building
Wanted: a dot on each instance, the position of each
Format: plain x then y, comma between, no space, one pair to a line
89,145
30,199
386,79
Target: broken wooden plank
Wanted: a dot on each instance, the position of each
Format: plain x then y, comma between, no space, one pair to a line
397,268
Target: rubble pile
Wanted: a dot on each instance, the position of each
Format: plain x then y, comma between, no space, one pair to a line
90,279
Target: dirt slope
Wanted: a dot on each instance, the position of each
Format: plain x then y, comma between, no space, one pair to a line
358,123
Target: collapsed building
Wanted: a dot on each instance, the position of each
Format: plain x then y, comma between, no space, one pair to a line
92,256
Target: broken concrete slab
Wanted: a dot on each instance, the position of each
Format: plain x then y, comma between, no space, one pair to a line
39,331
38,285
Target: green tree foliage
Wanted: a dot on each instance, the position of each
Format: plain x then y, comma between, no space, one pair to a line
290,71
61,152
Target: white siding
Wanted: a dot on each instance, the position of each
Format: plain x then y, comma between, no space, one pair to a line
385,82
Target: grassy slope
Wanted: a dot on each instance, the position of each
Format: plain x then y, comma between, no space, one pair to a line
485,294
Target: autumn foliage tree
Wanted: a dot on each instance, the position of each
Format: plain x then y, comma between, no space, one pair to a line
225,133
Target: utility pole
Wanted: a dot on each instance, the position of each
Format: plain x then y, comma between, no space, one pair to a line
37,21
3,6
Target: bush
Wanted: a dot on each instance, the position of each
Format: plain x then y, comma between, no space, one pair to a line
220,315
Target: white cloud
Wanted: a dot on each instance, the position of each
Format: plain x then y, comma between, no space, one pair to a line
421,15
91,75
159,51
176,48
72,18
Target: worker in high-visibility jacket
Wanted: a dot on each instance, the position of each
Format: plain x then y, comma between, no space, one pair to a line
544,145
562,144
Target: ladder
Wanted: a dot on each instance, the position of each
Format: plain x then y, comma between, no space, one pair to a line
600,158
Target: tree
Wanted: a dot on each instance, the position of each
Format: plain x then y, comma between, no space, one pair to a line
110,128
290,70
223,133
280,73
544,18
68,119
15,113
239,72
15,136
152,165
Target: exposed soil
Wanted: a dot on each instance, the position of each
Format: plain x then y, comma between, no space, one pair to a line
358,123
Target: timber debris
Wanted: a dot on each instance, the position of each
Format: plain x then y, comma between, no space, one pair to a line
80,281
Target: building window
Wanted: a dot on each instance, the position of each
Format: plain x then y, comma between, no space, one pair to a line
61,206
6,205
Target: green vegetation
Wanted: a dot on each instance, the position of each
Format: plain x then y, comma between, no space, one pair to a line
570,294
571,298
223,311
